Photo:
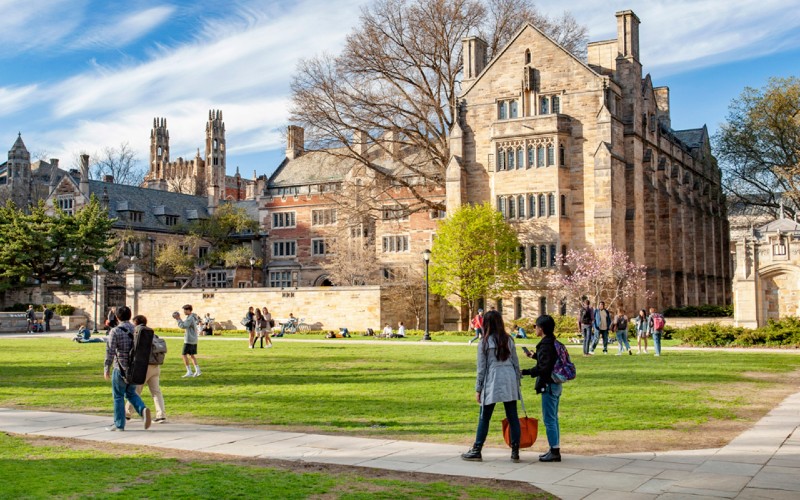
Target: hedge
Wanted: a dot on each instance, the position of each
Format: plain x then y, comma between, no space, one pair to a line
781,333
706,311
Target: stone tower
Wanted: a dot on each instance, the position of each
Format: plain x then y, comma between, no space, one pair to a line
159,146
215,157
19,172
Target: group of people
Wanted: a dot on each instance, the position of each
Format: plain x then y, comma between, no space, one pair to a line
594,324
259,323
33,324
476,325
390,334
126,397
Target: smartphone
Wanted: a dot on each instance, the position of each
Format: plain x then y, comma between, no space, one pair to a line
527,352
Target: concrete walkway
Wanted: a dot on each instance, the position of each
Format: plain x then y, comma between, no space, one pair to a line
763,462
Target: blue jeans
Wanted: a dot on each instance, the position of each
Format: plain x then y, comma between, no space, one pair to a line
550,398
657,341
122,391
622,339
486,417
604,333
586,331
478,333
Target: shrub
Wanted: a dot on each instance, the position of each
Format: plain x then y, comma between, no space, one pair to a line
706,311
711,334
60,309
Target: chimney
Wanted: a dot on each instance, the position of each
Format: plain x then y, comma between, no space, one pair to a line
474,54
662,105
628,34
54,163
108,178
361,142
295,142
84,183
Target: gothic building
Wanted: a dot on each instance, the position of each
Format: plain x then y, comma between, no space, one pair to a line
202,175
26,182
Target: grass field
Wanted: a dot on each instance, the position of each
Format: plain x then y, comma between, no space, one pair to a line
407,390
41,468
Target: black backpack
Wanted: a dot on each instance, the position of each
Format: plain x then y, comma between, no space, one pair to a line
586,315
139,357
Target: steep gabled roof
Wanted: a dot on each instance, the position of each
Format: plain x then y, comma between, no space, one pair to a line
693,137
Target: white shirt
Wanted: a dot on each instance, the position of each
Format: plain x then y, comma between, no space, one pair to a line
401,330
387,330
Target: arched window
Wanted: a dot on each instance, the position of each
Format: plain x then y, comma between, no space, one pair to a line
511,211
540,156
551,204
541,206
501,159
520,158
531,156
543,256
551,155
563,205
528,56
521,206
561,154
532,205
510,158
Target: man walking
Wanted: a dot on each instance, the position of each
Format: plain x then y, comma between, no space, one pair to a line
189,339
477,325
151,379
30,315
48,315
602,323
120,341
585,326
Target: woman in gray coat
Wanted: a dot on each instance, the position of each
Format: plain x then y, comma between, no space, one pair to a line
498,381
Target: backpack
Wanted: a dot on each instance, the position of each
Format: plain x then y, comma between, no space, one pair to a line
658,322
159,351
564,370
622,324
586,316
139,356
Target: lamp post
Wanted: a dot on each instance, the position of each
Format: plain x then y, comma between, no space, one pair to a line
252,263
96,266
426,256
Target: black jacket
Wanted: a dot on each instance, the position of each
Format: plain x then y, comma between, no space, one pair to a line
545,357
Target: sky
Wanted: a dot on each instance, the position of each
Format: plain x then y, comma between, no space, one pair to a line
81,75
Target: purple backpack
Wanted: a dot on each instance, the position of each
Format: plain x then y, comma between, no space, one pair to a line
564,370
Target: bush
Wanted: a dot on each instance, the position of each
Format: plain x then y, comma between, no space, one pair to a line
782,333
706,311
711,334
60,309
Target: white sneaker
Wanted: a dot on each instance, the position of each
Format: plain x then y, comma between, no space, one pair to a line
188,374
197,373
114,428
268,346
618,354
657,354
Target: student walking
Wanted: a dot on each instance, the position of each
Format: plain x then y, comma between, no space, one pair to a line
120,341
477,325
655,324
151,379
602,323
267,329
48,315
546,356
250,326
586,326
497,381
620,327
30,316
642,330
189,339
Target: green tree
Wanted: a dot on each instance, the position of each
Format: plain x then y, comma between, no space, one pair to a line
52,247
219,230
475,254
759,147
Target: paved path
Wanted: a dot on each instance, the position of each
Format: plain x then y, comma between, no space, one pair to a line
763,462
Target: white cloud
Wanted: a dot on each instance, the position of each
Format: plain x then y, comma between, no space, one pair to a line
120,31
15,98
37,24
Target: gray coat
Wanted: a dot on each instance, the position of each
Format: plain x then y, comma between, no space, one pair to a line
190,324
497,381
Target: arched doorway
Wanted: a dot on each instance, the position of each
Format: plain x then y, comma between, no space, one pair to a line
323,280
780,293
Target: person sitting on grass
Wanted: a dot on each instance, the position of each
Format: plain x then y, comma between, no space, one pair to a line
84,336
401,332
387,331
290,323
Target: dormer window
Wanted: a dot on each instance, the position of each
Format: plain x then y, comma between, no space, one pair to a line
66,202
170,220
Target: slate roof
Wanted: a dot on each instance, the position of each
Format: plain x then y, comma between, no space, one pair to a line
783,225
693,137
152,203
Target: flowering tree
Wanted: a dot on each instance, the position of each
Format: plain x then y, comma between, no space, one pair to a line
600,274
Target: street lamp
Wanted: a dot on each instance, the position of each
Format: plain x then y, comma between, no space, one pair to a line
252,263
96,266
426,256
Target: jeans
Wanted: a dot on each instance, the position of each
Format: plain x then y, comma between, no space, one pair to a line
604,333
486,417
550,398
478,333
622,339
657,341
586,331
122,391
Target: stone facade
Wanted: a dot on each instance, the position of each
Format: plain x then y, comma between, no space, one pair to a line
766,283
579,155
25,182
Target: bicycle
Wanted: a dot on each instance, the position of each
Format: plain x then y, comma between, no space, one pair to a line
300,326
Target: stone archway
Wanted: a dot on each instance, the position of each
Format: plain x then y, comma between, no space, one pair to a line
780,292
323,280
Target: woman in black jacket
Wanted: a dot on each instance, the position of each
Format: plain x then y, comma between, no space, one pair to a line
546,357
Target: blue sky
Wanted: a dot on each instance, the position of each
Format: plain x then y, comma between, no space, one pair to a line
80,75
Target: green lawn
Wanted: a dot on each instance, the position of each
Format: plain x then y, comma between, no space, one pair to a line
406,390
61,472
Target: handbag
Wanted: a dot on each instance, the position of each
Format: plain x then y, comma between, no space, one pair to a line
528,428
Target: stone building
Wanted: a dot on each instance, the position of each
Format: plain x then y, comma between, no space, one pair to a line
766,281
578,155
27,182
202,175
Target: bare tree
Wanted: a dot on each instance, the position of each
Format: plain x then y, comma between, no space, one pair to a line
351,259
407,287
388,101
120,162
180,185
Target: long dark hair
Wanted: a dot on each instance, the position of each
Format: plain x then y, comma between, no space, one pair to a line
258,313
642,313
493,327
